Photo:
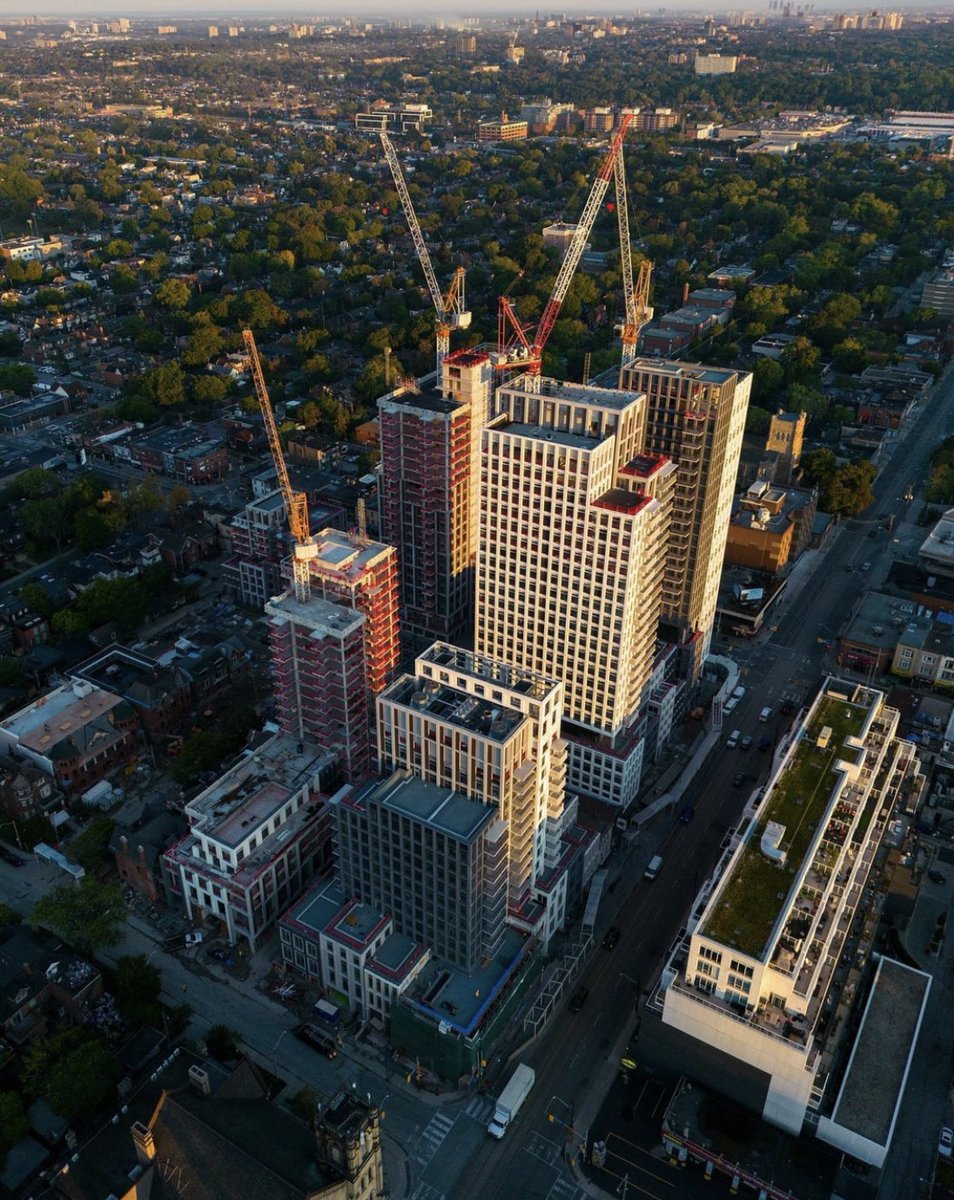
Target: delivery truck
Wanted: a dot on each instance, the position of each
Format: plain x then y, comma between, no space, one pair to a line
511,1098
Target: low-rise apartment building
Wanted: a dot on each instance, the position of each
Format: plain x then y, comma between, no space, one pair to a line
76,734
257,836
775,959
350,948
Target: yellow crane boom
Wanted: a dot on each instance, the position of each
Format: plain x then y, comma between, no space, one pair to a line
295,502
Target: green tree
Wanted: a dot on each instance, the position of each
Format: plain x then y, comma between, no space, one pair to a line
83,1081
205,344
13,1122
89,847
757,420
18,193
136,988
88,915
164,385
222,1043
16,377
179,495
37,597
849,356
47,520
8,916
173,294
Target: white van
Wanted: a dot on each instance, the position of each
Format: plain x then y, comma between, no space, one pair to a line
765,715
653,869
733,739
738,693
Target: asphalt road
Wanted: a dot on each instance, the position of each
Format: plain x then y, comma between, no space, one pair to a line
578,1053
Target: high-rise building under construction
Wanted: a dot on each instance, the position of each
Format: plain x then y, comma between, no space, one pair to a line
430,446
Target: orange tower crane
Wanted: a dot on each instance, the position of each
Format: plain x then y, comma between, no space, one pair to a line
450,309
516,349
636,297
304,548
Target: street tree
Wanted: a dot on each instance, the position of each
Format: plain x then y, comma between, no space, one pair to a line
88,915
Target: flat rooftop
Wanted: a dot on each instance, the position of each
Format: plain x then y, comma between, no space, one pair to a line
426,395
755,889
445,703
488,670
254,788
679,370
345,555
58,715
318,615
448,995
577,393
873,1086
317,908
561,437
442,809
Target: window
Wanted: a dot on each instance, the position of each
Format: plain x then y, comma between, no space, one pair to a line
712,955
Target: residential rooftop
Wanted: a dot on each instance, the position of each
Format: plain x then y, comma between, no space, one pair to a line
757,888
321,616
487,670
680,370
441,808
874,1082
445,703
255,787
58,715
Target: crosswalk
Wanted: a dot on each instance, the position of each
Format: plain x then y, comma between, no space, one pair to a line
564,1189
431,1137
544,1149
481,1108
424,1191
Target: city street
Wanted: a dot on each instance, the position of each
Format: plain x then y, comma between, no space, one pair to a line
437,1148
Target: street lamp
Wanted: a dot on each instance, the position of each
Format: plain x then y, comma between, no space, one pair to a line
16,831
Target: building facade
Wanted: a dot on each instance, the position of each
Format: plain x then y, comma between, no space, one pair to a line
430,445
260,542
433,859
757,976
320,672
695,416
490,731
257,836
575,519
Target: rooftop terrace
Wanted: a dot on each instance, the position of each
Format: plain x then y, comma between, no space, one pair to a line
757,888
445,703
481,666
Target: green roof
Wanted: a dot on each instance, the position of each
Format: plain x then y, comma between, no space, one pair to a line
753,894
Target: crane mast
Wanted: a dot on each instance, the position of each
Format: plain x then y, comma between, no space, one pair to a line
303,545
450,309
528,354
636,297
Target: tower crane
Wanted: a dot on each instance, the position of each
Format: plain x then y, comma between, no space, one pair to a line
515,347
304,548
636,297
450,309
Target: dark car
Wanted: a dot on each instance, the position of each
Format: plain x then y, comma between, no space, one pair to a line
13,859
687,814
745,744
786,706
578,999
611,937
937,877
317,1040
739,780
765,743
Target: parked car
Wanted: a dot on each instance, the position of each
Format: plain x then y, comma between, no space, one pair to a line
578,999
611,937
765,743
13,859
730,705
687,814
317,1040
195,938
937,877
945,1143
866,566
733,739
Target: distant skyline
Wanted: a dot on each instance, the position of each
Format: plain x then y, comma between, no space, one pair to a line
418,9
